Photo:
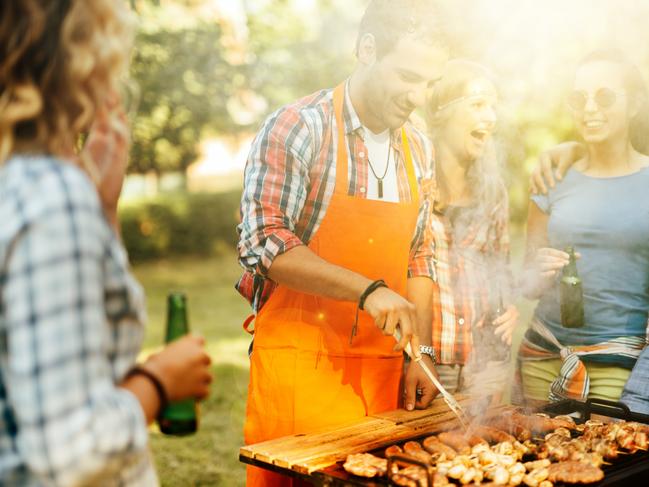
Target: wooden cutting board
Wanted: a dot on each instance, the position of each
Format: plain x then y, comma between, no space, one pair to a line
306,453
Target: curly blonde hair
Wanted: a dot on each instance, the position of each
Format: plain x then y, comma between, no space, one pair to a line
59,59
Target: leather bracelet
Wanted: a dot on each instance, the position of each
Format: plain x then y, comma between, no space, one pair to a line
370,289
361,303
162,393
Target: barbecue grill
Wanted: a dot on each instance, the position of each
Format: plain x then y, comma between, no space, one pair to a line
318,457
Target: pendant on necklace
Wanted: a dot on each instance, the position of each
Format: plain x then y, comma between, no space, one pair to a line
380,188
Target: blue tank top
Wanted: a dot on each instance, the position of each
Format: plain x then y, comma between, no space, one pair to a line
607,221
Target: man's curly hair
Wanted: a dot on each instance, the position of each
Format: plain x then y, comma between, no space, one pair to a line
59,59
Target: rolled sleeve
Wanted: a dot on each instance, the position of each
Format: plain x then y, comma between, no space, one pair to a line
422,249
73,423
275,190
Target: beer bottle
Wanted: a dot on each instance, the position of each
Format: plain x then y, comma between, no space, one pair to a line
178,418
571,294
500,351
489,346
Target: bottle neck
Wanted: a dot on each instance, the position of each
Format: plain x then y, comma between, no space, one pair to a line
571,269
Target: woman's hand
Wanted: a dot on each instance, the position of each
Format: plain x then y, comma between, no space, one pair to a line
105,154
183,367
542,270
506,323
553,165
548,262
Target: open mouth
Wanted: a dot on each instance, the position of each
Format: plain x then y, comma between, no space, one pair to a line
480,135
593,124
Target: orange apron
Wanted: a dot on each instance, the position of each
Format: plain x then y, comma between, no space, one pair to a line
304,374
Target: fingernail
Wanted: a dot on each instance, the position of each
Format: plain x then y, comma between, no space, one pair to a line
410,407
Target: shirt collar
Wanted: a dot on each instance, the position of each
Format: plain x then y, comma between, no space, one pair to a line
353,122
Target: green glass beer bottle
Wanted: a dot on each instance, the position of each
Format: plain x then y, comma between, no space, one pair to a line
571,294
178,418
491,345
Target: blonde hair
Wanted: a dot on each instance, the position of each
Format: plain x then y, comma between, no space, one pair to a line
483,176
59,59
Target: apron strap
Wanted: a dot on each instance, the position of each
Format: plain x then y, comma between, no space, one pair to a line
410,169
247,323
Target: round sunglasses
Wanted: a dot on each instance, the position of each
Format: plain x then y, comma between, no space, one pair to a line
604,98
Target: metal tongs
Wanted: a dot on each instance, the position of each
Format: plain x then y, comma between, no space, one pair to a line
450,401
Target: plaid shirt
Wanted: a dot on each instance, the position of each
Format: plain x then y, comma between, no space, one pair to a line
466,264
70,327
290,177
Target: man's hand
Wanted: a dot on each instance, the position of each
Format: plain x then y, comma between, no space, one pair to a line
559,158
390,309
420,391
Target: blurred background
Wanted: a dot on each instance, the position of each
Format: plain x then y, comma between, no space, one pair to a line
205,75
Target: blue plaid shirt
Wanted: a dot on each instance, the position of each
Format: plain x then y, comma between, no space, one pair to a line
636,391
70,327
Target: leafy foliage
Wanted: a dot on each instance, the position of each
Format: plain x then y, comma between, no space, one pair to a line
180,224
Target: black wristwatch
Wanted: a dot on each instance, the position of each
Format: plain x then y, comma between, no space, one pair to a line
428,350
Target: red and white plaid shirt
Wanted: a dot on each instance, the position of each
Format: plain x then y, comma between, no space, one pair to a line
290,177
472,266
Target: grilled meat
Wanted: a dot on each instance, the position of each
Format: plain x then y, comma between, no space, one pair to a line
436,448
366,465
455,440
493,435
574,472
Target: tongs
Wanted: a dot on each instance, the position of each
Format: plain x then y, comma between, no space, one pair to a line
450,401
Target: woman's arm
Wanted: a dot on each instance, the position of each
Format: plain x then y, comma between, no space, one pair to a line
541,262
63,346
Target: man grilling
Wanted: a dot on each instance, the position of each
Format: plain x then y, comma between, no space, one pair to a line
332,238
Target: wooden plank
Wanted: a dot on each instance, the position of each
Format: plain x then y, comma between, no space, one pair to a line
360,437
438,406
327,455
287,444
306,453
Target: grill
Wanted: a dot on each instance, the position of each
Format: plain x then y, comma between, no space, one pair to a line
318,457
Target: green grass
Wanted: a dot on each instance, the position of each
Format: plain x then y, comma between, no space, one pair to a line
216,311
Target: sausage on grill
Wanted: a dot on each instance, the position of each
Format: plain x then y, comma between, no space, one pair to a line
455,440
436,447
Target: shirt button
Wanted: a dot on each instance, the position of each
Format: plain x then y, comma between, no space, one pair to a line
461,321
362,190
361,154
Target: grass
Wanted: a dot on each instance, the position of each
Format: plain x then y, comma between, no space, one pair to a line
210,457
216,311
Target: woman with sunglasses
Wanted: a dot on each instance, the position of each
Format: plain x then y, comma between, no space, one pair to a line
471,330
600,208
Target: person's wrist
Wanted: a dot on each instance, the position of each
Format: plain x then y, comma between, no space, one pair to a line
156,364
146,372
428,351
369,290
